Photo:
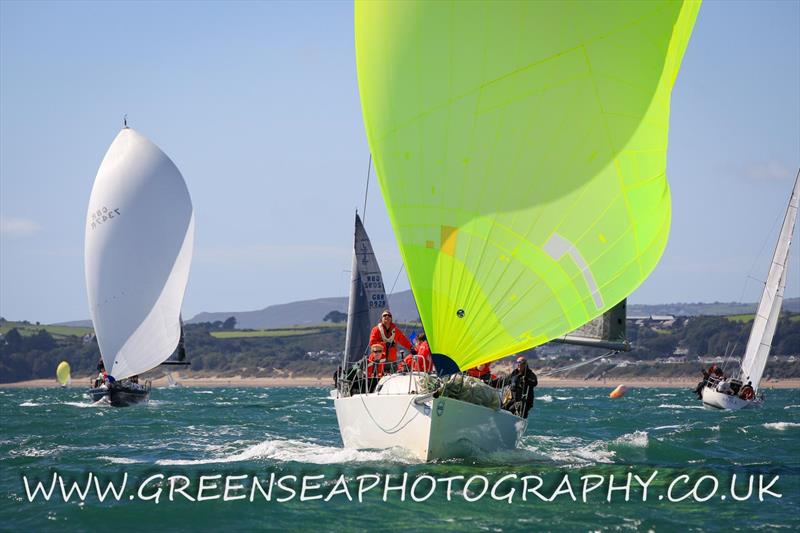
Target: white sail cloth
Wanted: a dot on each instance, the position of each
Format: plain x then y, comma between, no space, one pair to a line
769,308
138,250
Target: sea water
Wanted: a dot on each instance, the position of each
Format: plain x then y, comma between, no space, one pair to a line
285,438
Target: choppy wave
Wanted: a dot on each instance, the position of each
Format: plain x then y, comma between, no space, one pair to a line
674,426
302,452
791,406
676,406
98,403
569,451
119,460
546,398
637,439
30,403
781,426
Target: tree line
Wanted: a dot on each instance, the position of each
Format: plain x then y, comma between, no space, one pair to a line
24,357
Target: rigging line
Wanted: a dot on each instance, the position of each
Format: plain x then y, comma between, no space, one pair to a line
402,266
578,365
366,191
395,428
759,256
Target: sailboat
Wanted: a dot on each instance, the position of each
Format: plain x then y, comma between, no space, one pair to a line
138,250
521,152
408,393
733,392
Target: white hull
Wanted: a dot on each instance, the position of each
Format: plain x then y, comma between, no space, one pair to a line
721,400
430,428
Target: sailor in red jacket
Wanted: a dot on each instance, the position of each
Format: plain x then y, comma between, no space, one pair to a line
421,362
388,334
482,372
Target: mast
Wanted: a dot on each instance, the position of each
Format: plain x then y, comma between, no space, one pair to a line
769,308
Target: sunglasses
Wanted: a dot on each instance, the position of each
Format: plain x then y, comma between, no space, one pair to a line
385,316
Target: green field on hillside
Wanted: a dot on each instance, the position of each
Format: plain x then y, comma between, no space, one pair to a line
235,334
749,318
31,329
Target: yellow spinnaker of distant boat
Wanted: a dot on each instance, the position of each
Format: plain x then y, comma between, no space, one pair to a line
63,373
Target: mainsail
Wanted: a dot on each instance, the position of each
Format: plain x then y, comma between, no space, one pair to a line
521,151
138,249
769,308
605,331
367,297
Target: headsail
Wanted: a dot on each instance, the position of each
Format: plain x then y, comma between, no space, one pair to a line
138,249
769,308
367,297
521,151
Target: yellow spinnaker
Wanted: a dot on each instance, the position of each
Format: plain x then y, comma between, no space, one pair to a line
63,373
521,151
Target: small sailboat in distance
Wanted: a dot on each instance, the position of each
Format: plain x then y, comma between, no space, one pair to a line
521,152
741,389
63,374
138,251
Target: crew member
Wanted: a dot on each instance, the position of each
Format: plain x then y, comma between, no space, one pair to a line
522,383
102,375
706,373
375,363
747,392
389,335
483,372
421,362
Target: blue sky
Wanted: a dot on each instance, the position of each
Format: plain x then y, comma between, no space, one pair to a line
257,104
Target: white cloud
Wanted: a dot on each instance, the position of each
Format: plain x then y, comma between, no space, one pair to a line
768,170
17,227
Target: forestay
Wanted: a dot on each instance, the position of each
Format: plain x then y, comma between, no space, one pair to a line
138,249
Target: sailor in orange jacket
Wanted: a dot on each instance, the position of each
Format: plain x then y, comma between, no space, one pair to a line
389,335
483,372
421,362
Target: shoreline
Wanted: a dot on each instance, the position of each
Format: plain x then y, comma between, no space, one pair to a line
326,382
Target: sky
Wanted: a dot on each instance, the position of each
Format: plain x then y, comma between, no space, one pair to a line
257,103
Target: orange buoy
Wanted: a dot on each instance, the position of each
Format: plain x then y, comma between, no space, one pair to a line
619,392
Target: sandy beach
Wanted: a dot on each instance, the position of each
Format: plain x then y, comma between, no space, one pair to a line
326,382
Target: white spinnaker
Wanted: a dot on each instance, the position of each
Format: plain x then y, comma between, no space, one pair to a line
138,250
769,308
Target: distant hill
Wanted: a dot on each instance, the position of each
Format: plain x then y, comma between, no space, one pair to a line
697,309
76,324
306,312
310,312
